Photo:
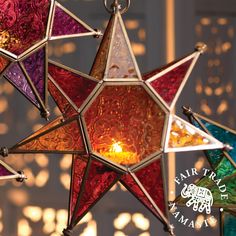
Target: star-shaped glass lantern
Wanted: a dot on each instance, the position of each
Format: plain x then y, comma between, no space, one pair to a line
118,124
25,30
228,223
222,161
7,173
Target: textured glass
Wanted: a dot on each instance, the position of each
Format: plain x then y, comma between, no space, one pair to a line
125,124
65,107
184,135
3,63
99,180
223,135
121,63
229,227
75,86
4,171
64,24
169,84
152,180
35,66
99,66
66,138
128,181
78,170
15,76
23,23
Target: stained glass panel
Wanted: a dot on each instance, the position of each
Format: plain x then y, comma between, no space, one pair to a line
99,180
23,26
16,77
229,227
66,138
65,24
169,84
35,66
100,63
3,63
184,136
3,170
125,124
75,86
121,60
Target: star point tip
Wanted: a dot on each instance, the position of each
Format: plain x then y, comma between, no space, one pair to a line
201,47
4,151
187,110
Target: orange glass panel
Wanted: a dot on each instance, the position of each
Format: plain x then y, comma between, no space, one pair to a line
99,66
183,135
125,124
3,63
121,63
65,138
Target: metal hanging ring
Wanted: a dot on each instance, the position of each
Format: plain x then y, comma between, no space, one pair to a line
116,6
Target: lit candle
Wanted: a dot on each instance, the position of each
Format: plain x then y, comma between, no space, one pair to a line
117,155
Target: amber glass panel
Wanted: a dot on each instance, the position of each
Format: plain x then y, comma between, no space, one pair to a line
121,63
184,135
152,180
63,104
125,124
3,63
168,85
75,86
128,181
66,138
99,66
78,169
99,180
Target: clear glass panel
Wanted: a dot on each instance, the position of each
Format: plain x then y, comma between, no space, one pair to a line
125,124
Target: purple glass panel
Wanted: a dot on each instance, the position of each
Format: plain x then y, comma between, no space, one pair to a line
4,171
64,24
16,77
35,67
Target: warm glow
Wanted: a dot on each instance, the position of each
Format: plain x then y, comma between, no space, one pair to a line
18,197
65,162
199,222
49,215
88,217
116,147
145,234
90,230
24,228
49,227
42,160
212,221
42,178
62,216
1,227
33,213
122,220
119,233
65,180
140,221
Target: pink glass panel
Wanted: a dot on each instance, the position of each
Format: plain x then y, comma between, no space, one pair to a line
100,179
128,181
16,77
121,63
128,119
99,66
4,171
75,86
66,138
168,85
78,169
152,180
35,66
64,24
3,63
23,23
65,107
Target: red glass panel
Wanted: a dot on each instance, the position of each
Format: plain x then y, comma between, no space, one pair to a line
23,24
121,63
65,107
3,63
125,124
99,66
128,181
78,169
168,85
152,180
65,24
35,66
100,179
75,86
65,138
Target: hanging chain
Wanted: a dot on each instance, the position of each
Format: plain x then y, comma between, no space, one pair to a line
116,6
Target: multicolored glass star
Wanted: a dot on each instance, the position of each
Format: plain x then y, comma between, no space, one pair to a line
26,28
118,124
